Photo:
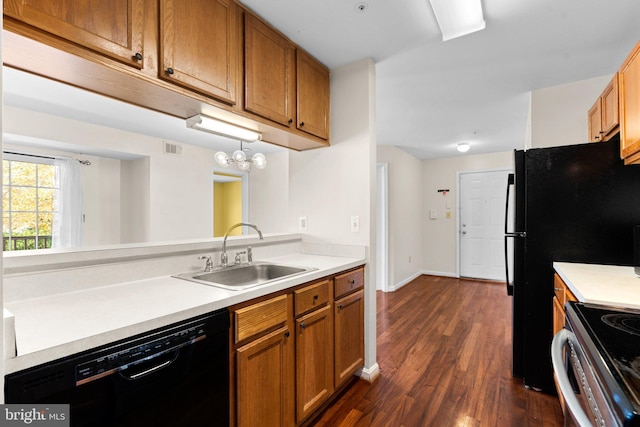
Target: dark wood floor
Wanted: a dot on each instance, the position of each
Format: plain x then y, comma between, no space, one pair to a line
444,350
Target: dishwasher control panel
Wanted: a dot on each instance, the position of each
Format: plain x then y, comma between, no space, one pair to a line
115,359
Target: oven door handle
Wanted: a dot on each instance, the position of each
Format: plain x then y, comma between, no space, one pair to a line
572,404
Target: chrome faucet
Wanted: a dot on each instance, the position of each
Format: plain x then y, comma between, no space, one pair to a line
208,263
224,258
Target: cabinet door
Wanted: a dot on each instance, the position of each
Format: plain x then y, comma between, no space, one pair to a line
595,122
629,87
314,361
199,46
113,28
312,96
609,103
558,316
264,381
349,336
269,72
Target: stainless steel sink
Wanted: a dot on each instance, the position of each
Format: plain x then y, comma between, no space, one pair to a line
244,276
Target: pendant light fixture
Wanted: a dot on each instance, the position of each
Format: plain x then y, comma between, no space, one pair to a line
239,157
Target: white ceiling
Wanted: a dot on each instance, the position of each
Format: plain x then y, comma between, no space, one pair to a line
430,94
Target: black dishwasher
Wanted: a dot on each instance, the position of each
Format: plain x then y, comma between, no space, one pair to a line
177,375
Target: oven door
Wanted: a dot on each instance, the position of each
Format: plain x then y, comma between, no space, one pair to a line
585,404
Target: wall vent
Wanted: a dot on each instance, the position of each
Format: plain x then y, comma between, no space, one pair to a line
172,149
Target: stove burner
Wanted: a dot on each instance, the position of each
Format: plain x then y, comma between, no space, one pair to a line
628,323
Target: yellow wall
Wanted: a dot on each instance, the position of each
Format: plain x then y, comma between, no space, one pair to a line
227,204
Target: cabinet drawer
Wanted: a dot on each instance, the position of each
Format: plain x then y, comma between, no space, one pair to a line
260,317
349,282
311,297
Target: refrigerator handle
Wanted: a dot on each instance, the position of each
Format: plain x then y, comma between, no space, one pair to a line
510,182
507,234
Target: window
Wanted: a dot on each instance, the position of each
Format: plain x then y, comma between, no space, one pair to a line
29,192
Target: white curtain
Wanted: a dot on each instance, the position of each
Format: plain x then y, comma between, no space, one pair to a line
67,223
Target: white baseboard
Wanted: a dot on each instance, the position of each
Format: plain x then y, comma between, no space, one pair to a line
440,273
398,285
369,374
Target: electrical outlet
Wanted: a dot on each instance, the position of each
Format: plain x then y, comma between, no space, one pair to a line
355,224
302,223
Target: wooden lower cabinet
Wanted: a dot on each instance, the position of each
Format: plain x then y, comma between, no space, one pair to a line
292,350
263,381
349,336
314,361
562,294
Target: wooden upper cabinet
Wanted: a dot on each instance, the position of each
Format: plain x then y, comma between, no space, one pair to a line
113,28
609,101
312,96
269,72
629,87
603,116
595,121
199,46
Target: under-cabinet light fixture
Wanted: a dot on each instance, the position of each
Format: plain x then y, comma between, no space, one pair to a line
458,18
218,127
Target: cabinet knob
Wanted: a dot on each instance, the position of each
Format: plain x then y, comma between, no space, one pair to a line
301,124
315,297
169,70
302,325
286,334
290,121
339,306
138,56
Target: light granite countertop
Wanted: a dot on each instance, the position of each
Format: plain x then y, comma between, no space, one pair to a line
56,326
601,284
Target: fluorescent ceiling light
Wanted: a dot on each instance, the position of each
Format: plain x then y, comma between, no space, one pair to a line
218,127
458,18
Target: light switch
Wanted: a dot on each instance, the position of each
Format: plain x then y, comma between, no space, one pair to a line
302,223
355,224
433,214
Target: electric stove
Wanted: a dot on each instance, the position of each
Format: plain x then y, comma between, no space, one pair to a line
610,340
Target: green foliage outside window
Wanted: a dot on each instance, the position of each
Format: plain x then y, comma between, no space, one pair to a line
28,197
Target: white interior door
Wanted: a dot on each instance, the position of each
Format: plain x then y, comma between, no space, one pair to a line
481,233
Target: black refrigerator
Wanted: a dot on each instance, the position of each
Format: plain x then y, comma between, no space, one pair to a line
576,203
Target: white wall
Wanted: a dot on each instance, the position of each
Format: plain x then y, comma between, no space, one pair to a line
269,194
559,113
179,191
329,185
135,194
439,241
405,214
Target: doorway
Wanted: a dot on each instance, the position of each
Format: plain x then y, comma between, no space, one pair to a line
481,224
230,202
382,227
